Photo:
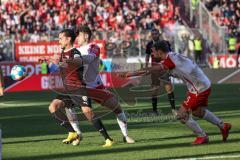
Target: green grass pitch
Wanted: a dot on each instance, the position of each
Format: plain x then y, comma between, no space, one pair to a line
30,133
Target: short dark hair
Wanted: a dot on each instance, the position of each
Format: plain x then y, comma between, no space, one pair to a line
69,33
155,30
162,45
84,29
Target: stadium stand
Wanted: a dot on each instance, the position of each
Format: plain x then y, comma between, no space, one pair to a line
226,13
39,17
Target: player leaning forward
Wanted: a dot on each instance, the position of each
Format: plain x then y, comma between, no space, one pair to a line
90,84
199,88
65,101
94,87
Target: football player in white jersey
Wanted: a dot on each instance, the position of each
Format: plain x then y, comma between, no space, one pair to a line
199,89
94,87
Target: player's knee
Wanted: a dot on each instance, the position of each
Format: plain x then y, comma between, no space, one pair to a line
55,105
183,119
89,116
199,112
113,104
87,111
168,88
182,115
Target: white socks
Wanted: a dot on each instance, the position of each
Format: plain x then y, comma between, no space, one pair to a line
194,126
72,117
212,118
122,122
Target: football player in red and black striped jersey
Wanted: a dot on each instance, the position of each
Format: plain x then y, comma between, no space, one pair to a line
72,78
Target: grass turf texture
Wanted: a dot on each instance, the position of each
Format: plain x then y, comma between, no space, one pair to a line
30,133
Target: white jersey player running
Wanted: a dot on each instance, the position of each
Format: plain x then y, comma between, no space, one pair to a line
199,88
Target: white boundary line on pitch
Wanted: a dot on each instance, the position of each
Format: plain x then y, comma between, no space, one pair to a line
211,157
229,76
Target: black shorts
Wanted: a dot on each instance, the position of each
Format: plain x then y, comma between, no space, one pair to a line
75,101
160,79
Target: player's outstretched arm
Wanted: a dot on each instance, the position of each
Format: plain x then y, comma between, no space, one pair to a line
157,67
144,71
133,73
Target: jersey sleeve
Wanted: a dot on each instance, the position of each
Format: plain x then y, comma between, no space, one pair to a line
168,63
94,50
93,53
76,53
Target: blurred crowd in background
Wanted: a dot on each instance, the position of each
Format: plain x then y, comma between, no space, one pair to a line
226,13
40,17
114,20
